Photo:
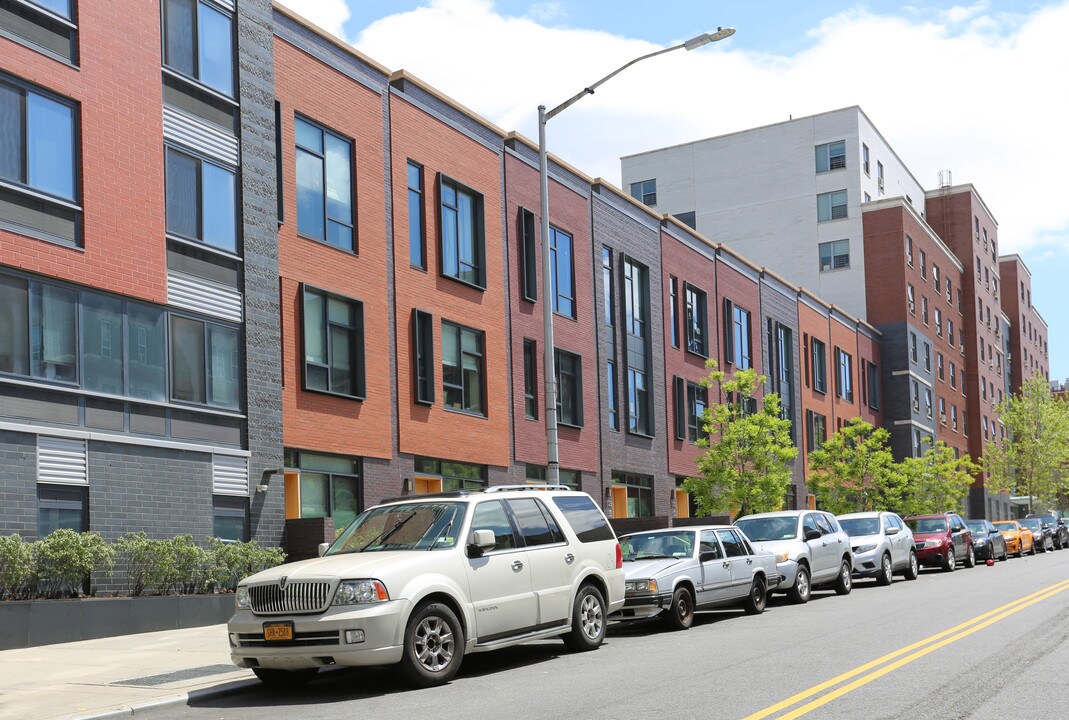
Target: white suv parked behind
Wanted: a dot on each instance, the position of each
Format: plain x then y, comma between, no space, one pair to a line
424,579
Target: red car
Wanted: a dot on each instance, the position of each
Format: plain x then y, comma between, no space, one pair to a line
942,540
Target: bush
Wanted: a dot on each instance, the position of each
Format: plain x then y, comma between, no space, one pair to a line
230,562
16,568
65,560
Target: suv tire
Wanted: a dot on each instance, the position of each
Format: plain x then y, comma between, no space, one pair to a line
844,583
802,589
970,557
758,597
913,568
950,563
433,646
282,680
680,615
886,576
588,620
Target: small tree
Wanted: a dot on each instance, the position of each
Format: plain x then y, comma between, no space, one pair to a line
745,466
937,481
854,470
65,559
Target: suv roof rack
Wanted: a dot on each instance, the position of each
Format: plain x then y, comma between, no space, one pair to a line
530,486
427,496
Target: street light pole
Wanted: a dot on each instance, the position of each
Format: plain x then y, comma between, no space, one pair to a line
549,356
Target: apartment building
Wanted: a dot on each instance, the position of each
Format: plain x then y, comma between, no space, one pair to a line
1027,352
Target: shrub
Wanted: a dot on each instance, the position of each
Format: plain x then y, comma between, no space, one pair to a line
230,562
16,568
188,566
65,560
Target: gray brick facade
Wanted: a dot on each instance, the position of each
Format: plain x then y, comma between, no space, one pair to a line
18,484
780,304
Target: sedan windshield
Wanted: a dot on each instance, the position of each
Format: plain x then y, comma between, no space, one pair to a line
1032,524
860,526
1005,526
646,546
412,526
927,525
978,528
769,528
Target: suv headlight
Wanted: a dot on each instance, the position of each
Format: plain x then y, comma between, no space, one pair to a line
640,586
865,548
360,592
782,557
241,597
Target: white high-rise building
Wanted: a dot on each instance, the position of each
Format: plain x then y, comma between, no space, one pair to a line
786,196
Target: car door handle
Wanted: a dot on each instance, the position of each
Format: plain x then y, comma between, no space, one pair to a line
824,544
569,558
517,565
840,541
749,561
727,564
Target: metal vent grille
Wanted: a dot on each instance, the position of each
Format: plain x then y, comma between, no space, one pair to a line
61,460
230,475
199,135
298,597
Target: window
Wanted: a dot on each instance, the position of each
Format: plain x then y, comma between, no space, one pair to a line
817,427
635,306
942,411
927,356
638,492
879,176
636,320
954,417
924,265
939,322
536,525
330,485
463,252
61,507
831,206
781,369
537,474
950,332
230,518
198,42
844,376
528,256
462,369
201,200
607,286
697,400
913,348
928,402
569,370
610,381
834,255
916,396
873,379
690,218
38,144
831,156
953,376
455,475
530,365
865,158
333,343
423,356
697,320
417,248
645,191
935,277
673,308
737,340
910,299
205,363
924,309
563,277
960,307
325,186
939,364
637,403
909,250
820,367
949,294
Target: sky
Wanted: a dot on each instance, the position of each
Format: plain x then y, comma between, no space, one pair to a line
977,88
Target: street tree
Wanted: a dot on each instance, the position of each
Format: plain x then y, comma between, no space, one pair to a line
854,470
1032,458
936,481
748,448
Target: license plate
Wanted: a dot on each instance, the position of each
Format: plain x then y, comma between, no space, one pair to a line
278,632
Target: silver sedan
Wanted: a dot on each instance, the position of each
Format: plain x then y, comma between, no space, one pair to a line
670,573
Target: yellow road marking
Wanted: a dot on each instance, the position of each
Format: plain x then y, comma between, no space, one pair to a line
1005,610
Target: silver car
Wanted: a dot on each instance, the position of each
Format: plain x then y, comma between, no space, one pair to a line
882,545
671,573
810,548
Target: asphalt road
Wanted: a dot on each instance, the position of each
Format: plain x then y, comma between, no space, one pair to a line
990,642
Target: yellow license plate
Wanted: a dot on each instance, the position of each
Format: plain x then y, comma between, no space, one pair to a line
278,632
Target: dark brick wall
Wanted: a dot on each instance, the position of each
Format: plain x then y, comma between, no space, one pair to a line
780,303
18,484
304,535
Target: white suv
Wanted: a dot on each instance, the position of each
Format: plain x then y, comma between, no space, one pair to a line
424,579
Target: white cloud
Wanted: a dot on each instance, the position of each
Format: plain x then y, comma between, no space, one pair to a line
327,14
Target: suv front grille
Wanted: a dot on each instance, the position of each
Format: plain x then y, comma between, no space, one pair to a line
297,597
300,639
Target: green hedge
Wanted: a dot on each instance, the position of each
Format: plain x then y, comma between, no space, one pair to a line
59,564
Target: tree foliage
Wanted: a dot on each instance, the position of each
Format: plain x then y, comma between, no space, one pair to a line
745,466
936,481
854,470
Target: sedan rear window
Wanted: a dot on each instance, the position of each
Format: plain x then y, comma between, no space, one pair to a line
586,519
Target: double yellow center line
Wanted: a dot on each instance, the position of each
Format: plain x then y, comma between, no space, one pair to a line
901,657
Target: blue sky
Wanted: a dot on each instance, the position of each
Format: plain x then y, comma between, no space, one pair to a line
976,87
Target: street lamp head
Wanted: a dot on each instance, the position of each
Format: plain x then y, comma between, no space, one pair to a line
706,38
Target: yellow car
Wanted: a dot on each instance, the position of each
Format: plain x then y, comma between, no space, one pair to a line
1018,538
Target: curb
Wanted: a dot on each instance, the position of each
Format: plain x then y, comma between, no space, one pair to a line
229,688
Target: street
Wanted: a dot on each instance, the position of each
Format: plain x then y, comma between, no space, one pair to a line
982,643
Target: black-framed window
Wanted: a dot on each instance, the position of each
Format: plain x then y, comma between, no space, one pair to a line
61,507
607,286
636,306
455,475
831,206
46,25
831,156
645,191
697,401
333,343
635,287
38,140
423,356
463,378
205,363
834,255
330,485
230,518
563,272
909,251
738,341
816,430
873,380
865,158
528,255
201,200
781,367
639,490
462,233
610,382
569,370
820,365
673,308
324,185
417,247
198,42
537,474
530,372
697,320
844,375
637,402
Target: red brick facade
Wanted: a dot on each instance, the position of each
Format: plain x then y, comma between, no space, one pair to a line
1029,351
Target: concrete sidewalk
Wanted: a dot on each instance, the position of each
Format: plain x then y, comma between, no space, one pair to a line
118,675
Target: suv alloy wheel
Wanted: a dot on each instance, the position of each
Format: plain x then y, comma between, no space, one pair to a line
588,620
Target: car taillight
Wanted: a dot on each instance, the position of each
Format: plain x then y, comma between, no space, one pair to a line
619,557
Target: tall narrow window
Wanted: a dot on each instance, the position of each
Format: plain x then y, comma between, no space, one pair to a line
820,366
831,206
781,367
873,380
844,376
333,343
738,345
909,251
610,382
528,255
463,249
865,158
198,42
697,400
673,308
462,369
53,323
417,249
697,321
324,185
637,350
205,366
563,277
423,356
201,200
569,370
530,372
607,286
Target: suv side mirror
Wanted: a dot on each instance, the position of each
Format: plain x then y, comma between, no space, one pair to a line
482,540
993,531
323,547
1045,526
891,531
813,535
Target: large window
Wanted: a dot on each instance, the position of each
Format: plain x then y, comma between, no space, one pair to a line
417,253
205,363
844,375
645,191
563,277
820,366
638,492
455,475
333,343
569,369
697,320
738,344
834,255
38,144
781,368
463,251
324,185
201,200
462,369
832,156
530,368
330,485
831,206
636,325
198,42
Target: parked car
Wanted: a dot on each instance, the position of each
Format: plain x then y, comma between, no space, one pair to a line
942,540
671,573
425,579
882,546
1018,538
1059,531
987,541
810,548
1042,535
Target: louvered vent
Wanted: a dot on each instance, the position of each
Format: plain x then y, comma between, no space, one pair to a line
200,136
61,461
230,475
205,296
